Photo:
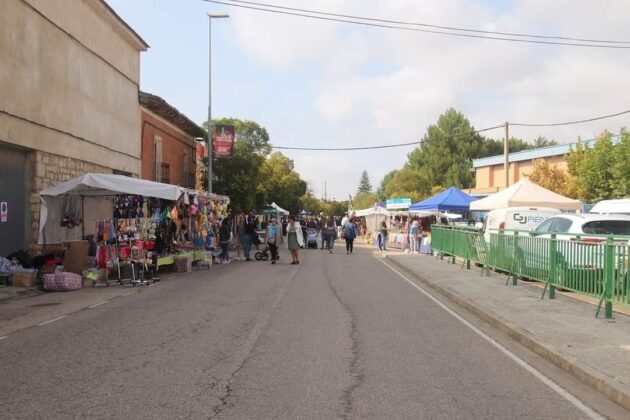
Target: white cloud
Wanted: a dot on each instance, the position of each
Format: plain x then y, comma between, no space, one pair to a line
370,86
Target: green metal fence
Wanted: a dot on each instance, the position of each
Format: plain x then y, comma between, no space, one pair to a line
596,265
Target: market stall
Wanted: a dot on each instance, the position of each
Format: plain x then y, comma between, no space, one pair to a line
526,193
136,225
373,217
279,210
451,199
444,207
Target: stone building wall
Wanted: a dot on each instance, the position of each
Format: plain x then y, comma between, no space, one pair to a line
49,170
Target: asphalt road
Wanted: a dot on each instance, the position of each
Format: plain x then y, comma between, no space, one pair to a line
337,336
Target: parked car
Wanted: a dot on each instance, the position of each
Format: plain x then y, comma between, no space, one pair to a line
586,224
580,249
621,206
515,218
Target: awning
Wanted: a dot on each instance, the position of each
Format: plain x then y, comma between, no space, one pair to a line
526,193
451,199
104,185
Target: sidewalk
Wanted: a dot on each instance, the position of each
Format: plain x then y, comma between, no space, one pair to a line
22,308
563,331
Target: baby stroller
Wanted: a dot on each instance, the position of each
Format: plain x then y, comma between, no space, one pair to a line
262,255
311,238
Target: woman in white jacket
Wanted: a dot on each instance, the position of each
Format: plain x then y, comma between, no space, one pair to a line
295,239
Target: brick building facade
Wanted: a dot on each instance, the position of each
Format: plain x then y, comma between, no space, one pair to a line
168,143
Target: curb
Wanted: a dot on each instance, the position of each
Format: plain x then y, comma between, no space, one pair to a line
586,375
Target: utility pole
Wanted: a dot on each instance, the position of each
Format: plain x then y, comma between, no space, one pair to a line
506,155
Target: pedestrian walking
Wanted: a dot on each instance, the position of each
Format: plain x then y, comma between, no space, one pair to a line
249,232
295,239
349,234
384,236
273,238
413,237
240,233
224,240
330,229
343,222
321,227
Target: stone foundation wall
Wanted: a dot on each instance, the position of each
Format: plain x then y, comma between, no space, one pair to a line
49,170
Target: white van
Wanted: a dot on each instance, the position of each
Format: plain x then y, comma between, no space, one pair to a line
515,218
620,206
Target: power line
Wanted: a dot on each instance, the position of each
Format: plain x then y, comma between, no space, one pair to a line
450,28
387,146
464,35
570,122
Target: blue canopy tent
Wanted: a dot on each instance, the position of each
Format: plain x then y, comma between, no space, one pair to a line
451,199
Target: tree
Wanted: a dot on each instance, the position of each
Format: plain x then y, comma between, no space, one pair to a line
592,168
408,183
492,147
543,142
278,182
554,178
238,177
601,172
619,170
380,192
338,208
363,200
445,155
364,183
310,203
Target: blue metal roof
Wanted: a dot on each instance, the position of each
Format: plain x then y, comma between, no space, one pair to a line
557,150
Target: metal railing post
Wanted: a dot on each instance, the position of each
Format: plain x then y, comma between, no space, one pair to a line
609,273
553,265
551,274
514,261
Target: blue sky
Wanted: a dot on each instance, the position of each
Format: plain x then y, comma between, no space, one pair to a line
324,84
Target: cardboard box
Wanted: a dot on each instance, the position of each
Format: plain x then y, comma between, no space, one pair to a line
75,258
25,278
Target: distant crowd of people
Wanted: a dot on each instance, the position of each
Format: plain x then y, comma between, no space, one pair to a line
250,232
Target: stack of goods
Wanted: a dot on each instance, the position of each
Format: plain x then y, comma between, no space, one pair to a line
62,282
183,265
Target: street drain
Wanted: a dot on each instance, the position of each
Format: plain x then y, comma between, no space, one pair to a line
39,305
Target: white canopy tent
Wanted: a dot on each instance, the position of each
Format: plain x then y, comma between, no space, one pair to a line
97,187
525,193
374,216
371,211
279,209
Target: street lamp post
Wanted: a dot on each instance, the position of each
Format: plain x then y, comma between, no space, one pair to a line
211,15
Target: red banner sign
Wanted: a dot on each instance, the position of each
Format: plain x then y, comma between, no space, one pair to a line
223,141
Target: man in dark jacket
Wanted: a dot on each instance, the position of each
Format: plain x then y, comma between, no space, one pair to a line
249,232
224,240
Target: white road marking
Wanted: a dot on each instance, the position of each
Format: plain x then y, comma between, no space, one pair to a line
129,293
51,321
2,338
539,375
99,304
153,284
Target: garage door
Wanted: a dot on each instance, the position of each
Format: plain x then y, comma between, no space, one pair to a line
13,193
